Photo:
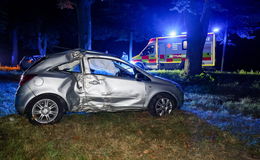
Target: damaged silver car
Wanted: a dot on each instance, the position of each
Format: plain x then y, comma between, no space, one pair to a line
76,81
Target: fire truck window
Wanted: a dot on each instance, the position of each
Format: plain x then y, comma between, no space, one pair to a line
184,45
148,51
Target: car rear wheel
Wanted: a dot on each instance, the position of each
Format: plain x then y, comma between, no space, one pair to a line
162,104
45,110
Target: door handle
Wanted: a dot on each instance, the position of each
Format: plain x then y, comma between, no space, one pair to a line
94,82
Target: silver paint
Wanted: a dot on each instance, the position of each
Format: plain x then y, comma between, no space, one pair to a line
88,92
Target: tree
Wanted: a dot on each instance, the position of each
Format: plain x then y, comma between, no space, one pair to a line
13,28
39,35
119,20
83,8
3,20
121,23
199,14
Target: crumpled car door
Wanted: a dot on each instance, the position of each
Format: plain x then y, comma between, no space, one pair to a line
105,86
95,93
125,93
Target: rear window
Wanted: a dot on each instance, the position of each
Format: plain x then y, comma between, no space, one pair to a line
73,67
37,62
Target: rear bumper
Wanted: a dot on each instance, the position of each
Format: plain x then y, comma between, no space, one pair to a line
23,97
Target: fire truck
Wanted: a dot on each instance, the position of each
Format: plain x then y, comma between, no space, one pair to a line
170,53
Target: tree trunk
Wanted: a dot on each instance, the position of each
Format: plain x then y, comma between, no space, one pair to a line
197,27
224,47
130,46
45,44
14,47
42,43
84,24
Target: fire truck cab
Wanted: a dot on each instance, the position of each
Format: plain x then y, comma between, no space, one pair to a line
170,53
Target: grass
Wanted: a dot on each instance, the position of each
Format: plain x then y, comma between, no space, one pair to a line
177,75
226,100
241,72
137,135
125,135
246,106
214,81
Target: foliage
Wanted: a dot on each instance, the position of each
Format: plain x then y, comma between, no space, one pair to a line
66,4
239,18
202,77
177,75
241,72
181,76
248,72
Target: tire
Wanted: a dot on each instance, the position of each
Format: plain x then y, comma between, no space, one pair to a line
45,110
162,104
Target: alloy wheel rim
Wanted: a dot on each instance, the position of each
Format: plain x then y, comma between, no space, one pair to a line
45,111
163,106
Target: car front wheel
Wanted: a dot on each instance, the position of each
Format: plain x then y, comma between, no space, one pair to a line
45,110
162,104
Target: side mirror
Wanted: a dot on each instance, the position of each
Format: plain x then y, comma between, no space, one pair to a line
139,77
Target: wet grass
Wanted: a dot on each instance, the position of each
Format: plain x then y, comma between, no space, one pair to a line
228,100
238,92
125,135
137,135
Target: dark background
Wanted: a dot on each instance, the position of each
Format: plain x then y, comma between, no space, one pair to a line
244,54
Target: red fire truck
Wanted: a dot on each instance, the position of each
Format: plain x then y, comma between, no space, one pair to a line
170,53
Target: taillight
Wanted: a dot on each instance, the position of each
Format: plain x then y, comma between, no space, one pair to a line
26,78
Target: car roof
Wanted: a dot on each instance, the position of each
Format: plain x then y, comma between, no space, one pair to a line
83,52
64,57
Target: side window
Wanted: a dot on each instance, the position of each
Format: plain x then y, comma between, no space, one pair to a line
102,66
125,70
73,67
111,68
148,51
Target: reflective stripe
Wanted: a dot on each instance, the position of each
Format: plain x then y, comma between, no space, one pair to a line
206,58
145,57
152,60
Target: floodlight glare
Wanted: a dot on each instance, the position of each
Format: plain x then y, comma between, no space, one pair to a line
173,33
216,30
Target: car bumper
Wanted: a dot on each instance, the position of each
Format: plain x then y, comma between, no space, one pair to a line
23,97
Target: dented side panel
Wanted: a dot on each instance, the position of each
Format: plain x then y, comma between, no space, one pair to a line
125,93
111,93
57,83
103,93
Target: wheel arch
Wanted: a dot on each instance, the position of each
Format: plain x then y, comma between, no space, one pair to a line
171,95
62,101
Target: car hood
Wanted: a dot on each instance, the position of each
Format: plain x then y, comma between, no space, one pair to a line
158,79
165,81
